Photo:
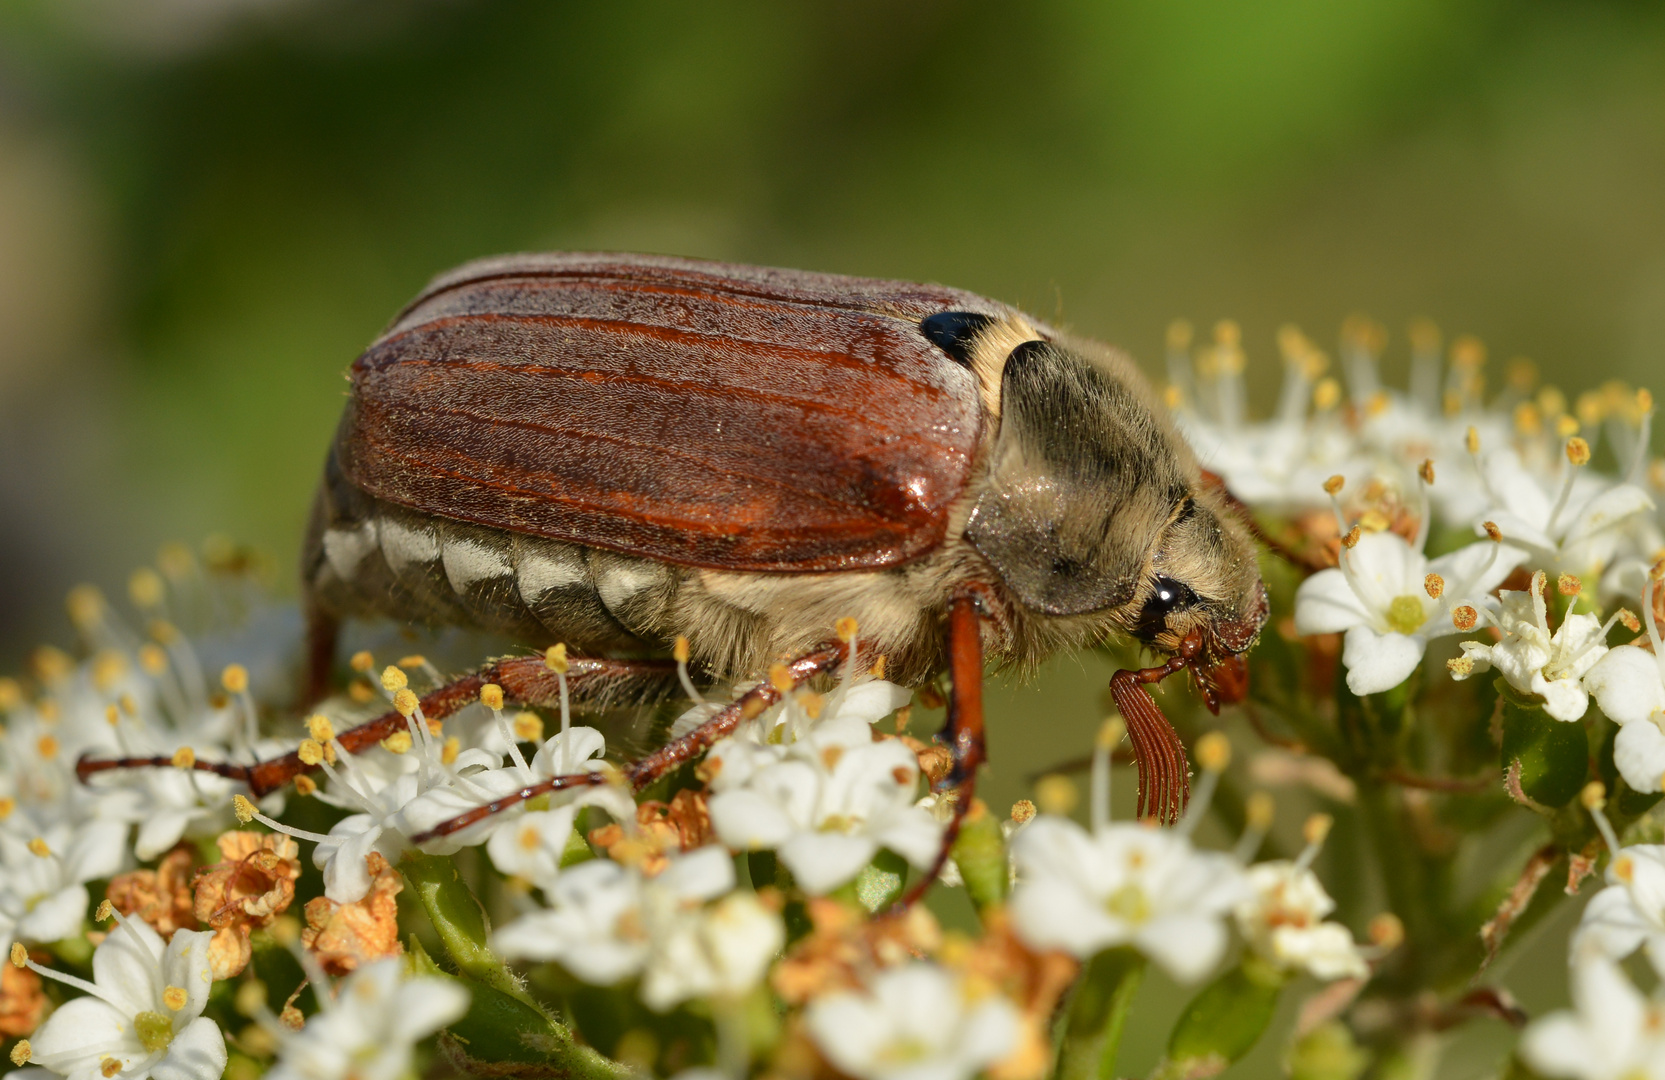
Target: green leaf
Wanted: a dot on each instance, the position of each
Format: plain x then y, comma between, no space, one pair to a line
980,853
1554,755
1225,1020
880,882
1328,1052
1097,1014
459,920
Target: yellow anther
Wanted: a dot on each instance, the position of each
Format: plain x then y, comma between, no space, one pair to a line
1529,420
1326,395
1468,351
285,930
1434,585
153,658
162,631
1578,451
52,665
1374,521
1565,426
1375,489
20,955
1460,666
810,702
1568,585
311,752
780,677
86,606
38,848
145,588
1594,796
7,805
128,706
184,758
11,694
393,679
319,727
1376,404
1259,809
491,696
362,662
47,746
1056,794
679,649
251,997
174,997
21,1052
1173,397
555,657
1214,752
1644,401
845,628
242,808
528,727
1472,439
1334,484
305,785
1179,335
405,702
449,751
1386,931
1628,620
414,660
361,691
235,679
1624,868
1110,733
1351,539
107,669
397,743
1493,533
174,560
878,668
1317,827
106,911
112,715
1022,811
1464,617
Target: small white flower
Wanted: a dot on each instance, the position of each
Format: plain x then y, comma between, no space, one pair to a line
1533,660
368,1029
43,892
1614,1034
1123,885
531,846
914,1022
143,1013
1629,685
1630,913
1574,523
1379,596
1283,920
607,923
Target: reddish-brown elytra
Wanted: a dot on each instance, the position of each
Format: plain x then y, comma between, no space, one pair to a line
617,451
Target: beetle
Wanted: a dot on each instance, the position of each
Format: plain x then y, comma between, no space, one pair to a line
616,451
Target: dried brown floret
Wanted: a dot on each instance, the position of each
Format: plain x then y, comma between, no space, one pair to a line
161,897
343,936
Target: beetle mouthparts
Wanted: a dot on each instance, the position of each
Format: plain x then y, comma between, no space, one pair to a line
1224,682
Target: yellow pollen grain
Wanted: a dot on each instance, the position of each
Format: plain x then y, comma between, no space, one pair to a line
491,696
845,628
20,955
528,727
112,715
810,702
1386,931
397,743
1593,797
1468,352
86,606
184,758
21,1052
47,746
1334,484
235,679
1374,521
1426,471
174,997
1460,666
1326,395
413,660
1624,868
1377,404
37,847
1529,421
878,668
1578,451
106,911
394,679
311,752
1023,811
144,587
361,691
1472,439
1110,733
51,664
108,667
319,727
1351,540
7,805
1435,586
555,658
780,677
1056,794
242,808
1173,397
1316,828
449,751
1259,810
152,658
405,702
679,649
1568,585
362,662
1214,752
1565,426
251,997
1464,617
436,728
305,785
1628,620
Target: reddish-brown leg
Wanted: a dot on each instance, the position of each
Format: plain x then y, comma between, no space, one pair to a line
525,679
963,730
646,770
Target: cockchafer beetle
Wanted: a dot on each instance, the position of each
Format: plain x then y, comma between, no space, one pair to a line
615,451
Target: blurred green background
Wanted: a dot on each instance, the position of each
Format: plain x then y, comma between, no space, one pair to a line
207,207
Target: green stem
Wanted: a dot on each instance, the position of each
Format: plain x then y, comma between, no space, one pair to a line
460,922
1097,1015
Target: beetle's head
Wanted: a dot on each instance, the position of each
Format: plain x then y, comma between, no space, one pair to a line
1094,506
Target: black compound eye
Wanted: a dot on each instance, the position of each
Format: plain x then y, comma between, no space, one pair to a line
1167,596
954,331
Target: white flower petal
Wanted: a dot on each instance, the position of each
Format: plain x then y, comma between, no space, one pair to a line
1639,753
196,1053
1326,604
821,862
1377,662
746,820
1627,684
